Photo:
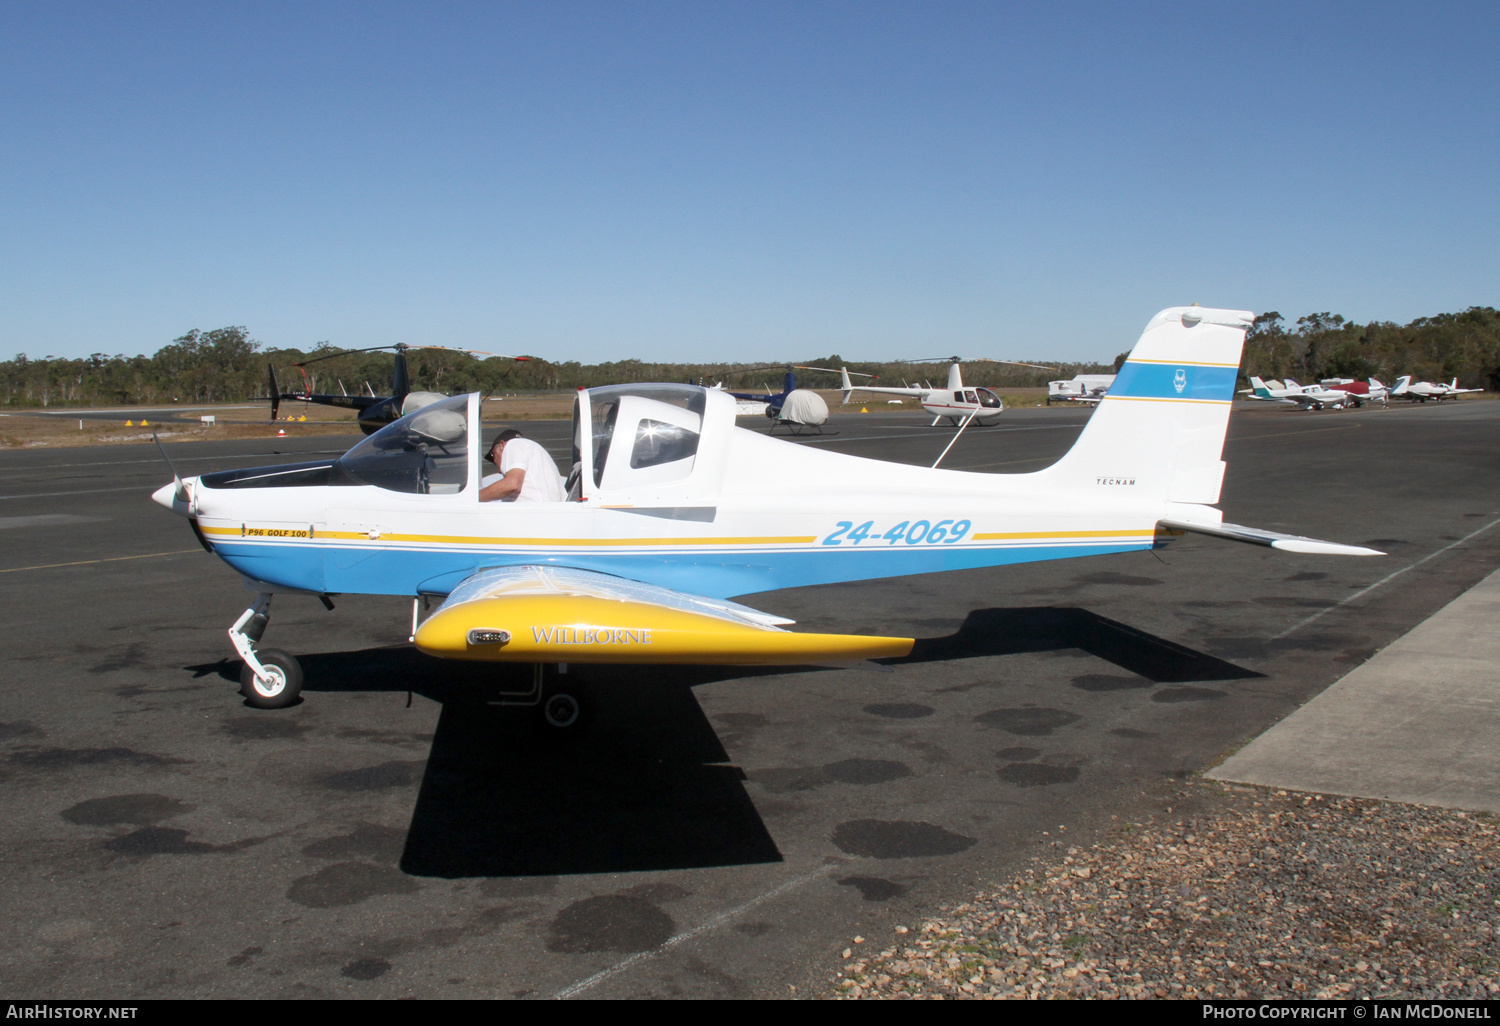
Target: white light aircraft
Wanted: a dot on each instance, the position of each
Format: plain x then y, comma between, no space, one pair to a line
671,510
1425,390
1086,389
1309,397
1369,391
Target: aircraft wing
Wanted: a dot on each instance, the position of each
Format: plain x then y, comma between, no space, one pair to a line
1276,540
546,614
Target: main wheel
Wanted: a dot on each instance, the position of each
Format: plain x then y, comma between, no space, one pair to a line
562,710
283,687
565,710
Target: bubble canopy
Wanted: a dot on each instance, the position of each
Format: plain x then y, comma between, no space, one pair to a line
423,453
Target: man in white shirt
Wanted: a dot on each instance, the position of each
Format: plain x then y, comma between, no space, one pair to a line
527,472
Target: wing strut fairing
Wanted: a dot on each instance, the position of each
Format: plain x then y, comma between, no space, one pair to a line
530,614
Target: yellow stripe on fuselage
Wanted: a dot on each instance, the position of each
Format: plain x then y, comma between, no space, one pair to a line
456,539
1050,535
768,540
1184,363
1164,399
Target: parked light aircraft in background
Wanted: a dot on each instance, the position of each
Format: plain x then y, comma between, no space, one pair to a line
1360,392
956,402
671,510
1086,389
1309,397
375,411
1425,390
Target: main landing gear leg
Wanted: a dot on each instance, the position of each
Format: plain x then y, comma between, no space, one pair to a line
271,679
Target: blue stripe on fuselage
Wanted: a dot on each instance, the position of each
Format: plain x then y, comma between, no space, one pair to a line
712,574
1162,381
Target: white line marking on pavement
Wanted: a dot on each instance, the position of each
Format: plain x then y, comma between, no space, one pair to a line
1389,577
712,924
145,490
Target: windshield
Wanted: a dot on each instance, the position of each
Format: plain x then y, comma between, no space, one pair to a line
989,400
424,453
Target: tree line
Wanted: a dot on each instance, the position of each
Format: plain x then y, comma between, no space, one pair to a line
227,365
1463,345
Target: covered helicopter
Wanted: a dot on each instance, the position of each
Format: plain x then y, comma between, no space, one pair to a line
375,411
672,510
795,407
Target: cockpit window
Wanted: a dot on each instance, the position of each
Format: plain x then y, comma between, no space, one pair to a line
603,419
657,442
989,400
423,453
668,439
644,435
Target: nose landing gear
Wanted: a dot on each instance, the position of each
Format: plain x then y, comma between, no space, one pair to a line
271,678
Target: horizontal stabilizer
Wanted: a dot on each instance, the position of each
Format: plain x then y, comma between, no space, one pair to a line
537,614
1285,542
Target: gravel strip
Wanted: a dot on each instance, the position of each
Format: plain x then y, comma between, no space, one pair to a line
1242,893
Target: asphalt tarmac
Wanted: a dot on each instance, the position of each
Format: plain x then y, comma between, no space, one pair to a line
715,832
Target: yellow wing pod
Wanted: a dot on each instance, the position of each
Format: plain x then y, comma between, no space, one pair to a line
585,629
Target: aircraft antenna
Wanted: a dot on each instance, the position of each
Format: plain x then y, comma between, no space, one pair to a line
960,431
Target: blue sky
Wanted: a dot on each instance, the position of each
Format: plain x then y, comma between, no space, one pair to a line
724,181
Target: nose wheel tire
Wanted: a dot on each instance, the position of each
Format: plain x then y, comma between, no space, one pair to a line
281,686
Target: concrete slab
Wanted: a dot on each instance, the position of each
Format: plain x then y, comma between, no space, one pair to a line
1419,722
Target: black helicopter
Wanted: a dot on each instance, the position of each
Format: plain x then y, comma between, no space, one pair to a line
375,411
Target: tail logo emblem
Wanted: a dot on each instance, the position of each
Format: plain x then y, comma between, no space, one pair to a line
1179,380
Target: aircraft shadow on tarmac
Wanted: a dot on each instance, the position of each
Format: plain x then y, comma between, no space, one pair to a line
646,786
992,632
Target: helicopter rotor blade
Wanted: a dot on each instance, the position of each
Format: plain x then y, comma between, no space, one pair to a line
475,352
346,352
1016,363
834,370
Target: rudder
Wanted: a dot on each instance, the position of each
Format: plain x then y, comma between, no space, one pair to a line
1160,429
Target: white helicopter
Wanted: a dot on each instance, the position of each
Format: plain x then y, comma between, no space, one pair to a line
960,404
671,510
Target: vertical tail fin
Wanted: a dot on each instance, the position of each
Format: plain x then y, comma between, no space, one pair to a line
275,392
846,384
955,377
401,385
1160,429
